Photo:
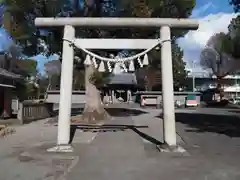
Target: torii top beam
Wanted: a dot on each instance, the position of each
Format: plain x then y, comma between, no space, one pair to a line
190,24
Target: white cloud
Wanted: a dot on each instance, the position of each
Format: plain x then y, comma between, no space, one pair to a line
194,41
203,9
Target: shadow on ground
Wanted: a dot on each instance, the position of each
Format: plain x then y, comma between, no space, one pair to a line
115,112
228,125
124,112
112,128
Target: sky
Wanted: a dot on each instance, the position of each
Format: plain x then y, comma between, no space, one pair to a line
214,16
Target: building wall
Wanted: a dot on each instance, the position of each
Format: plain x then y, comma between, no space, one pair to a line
77,97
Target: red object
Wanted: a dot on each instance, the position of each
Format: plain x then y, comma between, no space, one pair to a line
191,102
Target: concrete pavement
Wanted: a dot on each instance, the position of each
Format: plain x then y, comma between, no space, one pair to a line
118,153
23,155
127,155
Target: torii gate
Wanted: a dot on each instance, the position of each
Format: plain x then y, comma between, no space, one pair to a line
164,26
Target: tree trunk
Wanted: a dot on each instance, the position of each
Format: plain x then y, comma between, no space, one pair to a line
94,110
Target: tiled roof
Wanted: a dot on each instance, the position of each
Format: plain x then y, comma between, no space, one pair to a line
4,72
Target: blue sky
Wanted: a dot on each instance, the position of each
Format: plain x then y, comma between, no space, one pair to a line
205,7
42,60
214,16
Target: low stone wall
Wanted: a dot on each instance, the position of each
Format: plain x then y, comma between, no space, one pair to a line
34,110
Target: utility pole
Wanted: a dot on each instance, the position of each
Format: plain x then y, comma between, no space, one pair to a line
236,84
193,82
193,76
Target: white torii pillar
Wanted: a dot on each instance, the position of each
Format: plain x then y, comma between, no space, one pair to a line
66,86
67,66
65,103
169,129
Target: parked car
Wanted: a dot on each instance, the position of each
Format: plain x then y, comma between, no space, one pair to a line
234,100
191,101
212,98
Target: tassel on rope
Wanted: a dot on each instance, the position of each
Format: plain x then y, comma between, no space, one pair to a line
140,62
101,67
109,66
94,62
131,66
87,60
145,60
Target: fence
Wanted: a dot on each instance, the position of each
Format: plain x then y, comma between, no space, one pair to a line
33,110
